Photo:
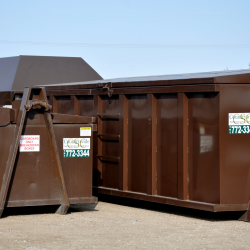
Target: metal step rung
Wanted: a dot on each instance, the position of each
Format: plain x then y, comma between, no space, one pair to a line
109,116
108,158
108,137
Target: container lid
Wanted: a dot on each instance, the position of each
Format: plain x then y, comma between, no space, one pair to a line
220,77
26,71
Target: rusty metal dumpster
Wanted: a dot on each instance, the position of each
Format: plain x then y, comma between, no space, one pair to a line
46,158
169,139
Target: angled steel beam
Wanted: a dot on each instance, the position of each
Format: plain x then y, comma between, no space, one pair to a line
13,150
55,153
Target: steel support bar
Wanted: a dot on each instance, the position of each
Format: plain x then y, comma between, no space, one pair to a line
182,146
172,201
55,153
13,150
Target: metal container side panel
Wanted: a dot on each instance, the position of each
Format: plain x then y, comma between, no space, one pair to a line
6,135
87,105
64,104
141,118
34,175
234,148
6,97
109,146
167,121
77,171
142,167
203,147
237,78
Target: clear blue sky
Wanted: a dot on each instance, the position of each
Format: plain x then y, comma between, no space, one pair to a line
131,37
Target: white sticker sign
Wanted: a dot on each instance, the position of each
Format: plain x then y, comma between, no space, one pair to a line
85,131
29,143
76,147
239,119
206,143
239,123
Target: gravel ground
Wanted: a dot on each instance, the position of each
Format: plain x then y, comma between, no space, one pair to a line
122,224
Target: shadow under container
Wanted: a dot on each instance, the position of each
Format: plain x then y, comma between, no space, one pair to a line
36,179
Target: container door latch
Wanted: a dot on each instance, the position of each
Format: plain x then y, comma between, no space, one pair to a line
108,89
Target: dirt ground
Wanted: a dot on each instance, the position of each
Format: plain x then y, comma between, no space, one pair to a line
122,224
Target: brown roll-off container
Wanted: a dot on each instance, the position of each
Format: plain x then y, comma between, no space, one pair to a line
43,177
179,139
46,158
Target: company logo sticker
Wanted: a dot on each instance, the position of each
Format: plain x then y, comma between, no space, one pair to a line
76,147
239,123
